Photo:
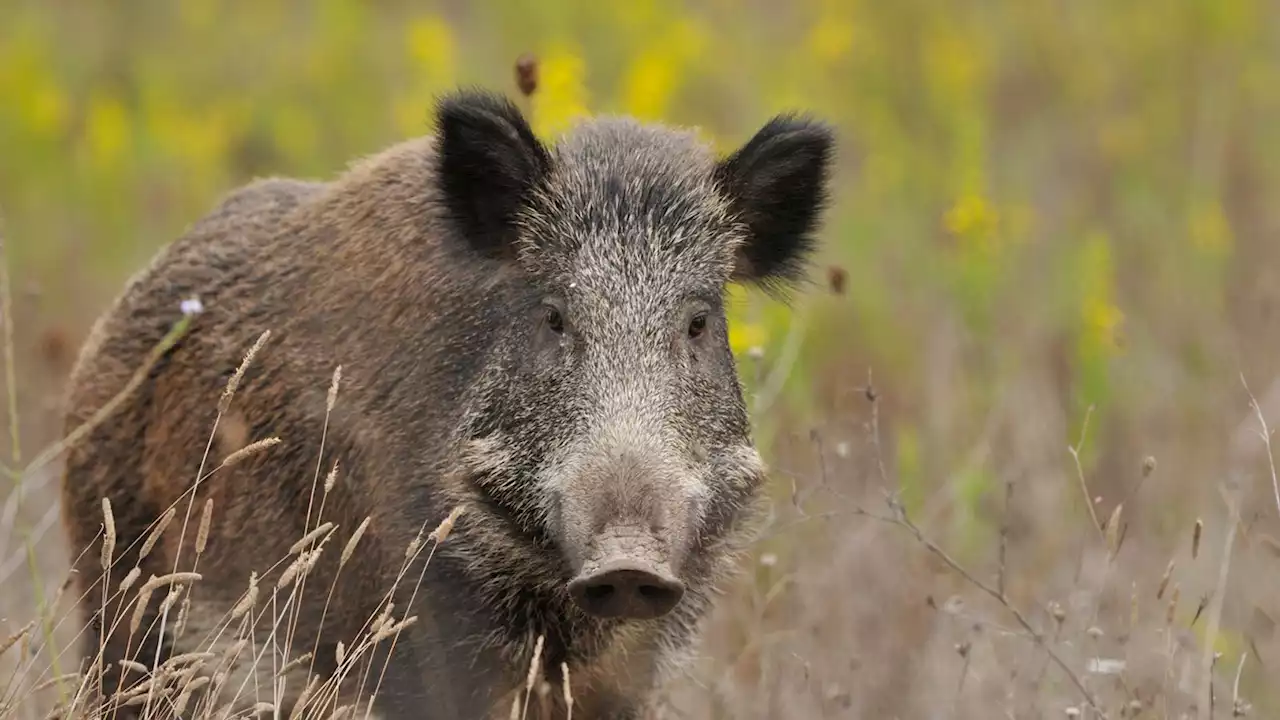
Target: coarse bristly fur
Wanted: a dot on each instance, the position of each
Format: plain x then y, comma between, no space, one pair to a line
535,332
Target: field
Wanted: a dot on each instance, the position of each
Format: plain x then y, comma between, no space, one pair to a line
1019,427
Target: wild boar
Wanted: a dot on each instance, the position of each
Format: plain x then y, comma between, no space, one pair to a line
530,334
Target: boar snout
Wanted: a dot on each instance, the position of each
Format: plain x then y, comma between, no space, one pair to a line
627,590
626,577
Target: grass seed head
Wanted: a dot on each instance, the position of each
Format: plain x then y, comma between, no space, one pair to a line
294,663
394,628
233,383
174,578
331,479
108,534
140,608
130,579
14,638
202,534
232,652
184,698
446,526
249,450
167,604
305,697
349,549
291,573
568,692
310,538
154,536
332,398
1164,580
411,550
534,664
248,600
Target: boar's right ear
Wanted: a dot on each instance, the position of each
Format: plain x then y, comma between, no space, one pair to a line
489,161
777,185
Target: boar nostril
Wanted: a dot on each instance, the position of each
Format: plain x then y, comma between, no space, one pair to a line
626,590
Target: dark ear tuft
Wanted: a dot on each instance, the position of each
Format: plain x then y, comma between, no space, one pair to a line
489,161
777,185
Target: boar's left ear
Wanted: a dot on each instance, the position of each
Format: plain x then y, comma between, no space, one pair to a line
777,185
489,162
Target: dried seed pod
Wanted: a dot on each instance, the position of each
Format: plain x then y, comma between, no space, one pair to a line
527,74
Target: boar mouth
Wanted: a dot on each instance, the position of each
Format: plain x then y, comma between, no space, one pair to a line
626,576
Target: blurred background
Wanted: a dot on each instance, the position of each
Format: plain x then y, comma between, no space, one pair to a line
1051,279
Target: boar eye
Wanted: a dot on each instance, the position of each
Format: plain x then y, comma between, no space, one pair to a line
697,325
555,320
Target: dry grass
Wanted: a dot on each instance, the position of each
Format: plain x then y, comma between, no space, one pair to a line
202,682
904,628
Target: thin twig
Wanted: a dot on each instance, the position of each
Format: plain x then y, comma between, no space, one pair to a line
1241,458
774,382
900,518
874,396
1084,487
1266,439
1004,536
1235,688
1232,497
9,365
170,339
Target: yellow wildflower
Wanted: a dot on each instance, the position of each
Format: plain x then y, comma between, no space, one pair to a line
649,84
30,89
46,109
635,14
430,44
745,335
688,39
1102,322
562,92
1210,229
654,76
831,39
200,137
744,332
953,63
971,216
1099,316
107,130
294,131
